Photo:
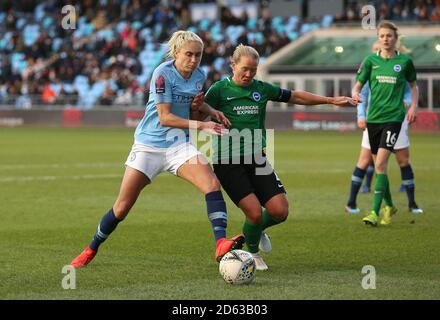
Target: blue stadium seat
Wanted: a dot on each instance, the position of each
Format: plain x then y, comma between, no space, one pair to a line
251,23
327,21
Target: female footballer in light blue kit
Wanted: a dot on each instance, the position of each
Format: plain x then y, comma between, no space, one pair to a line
162,143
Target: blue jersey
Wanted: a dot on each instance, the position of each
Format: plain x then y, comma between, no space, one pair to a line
362,107
168,86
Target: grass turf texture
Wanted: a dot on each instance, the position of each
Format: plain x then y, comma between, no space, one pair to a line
55,185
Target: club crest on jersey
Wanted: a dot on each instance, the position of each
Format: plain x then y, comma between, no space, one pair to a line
397,67
160,84
256,96
199,86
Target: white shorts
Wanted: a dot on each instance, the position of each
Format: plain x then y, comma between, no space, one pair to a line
401,143
151,161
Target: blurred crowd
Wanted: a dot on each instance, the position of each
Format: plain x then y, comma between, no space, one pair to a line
396,10
116,44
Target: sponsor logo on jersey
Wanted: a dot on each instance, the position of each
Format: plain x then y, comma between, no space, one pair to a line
375,67
230,98
160,84
386,79
199,86
256,96
397,67
240,110
179,98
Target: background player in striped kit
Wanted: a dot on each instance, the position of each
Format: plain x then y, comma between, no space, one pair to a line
401,150
387,72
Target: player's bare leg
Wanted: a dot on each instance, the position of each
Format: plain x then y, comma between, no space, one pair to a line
132,184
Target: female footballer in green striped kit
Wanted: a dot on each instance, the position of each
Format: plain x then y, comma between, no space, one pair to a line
387,71
258,193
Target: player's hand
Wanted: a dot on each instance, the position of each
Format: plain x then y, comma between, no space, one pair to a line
411,115
362,124
343,101
197,101
356,97
213,128
221,118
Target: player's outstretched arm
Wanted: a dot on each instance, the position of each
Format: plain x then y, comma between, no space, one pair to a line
168,119
308,98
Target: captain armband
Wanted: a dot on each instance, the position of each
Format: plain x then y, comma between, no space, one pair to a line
284,95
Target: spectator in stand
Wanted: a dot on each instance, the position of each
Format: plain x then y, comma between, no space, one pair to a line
48,96
126,38
435,15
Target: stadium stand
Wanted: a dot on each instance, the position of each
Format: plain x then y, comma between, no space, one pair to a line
110,55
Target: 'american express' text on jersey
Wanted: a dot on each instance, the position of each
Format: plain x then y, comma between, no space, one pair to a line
245,107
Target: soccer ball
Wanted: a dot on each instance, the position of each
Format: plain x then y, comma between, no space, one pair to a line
237,267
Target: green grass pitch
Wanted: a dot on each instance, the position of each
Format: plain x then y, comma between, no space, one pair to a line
55,185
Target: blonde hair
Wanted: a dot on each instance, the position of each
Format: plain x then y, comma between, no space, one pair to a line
388,25
179,39
243,50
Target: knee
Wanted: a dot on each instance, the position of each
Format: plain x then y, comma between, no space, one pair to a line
212,184
402,161
381,167
363,163
281,213
254,217
278,208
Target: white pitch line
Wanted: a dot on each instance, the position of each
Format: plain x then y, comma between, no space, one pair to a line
61,165
52,178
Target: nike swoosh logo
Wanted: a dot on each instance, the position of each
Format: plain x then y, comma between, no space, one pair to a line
375,67
376,192
230,98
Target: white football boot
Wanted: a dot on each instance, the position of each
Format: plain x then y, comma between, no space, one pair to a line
265,245
259,262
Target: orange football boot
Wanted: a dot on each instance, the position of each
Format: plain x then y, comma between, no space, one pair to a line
84,258
224,245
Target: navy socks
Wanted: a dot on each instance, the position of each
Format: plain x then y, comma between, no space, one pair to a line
107,225
216,207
